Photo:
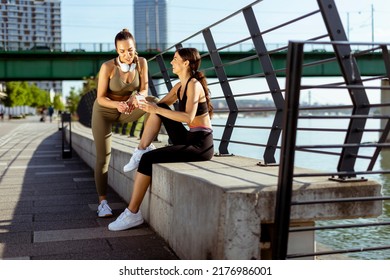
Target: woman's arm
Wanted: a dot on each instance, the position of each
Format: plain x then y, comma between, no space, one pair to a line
194,90
144,79
171,96
101,96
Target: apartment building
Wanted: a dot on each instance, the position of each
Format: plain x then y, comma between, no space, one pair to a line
31,25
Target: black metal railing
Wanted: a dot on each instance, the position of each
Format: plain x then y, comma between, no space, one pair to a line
231,102
350,150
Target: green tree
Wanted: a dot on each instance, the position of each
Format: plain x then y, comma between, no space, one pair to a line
88,85
22,93
16,92
29,97
74,97
57,103
41,97
9,88
73,100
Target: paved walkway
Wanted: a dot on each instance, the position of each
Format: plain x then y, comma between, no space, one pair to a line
48,204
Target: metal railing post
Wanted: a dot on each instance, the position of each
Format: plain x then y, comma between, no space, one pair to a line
152,88
279,242
351,74
227,91
164,71
273,85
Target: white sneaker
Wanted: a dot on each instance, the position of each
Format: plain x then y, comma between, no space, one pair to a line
126,220
104,210
136,158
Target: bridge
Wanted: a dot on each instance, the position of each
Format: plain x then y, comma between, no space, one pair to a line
61,65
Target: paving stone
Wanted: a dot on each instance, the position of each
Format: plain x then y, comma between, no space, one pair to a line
15,238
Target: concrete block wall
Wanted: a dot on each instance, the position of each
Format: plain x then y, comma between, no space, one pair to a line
215,209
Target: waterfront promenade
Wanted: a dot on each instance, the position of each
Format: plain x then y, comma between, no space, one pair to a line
48,204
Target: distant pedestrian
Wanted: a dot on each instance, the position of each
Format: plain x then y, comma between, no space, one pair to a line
2,113
51,112
43,114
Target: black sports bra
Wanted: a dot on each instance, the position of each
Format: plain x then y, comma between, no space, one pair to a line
202,106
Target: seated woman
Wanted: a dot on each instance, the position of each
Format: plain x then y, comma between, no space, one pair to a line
196,144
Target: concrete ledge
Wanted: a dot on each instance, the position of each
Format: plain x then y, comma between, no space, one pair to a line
217,209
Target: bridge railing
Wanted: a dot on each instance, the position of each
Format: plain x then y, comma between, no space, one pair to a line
110,47
261,93
365,133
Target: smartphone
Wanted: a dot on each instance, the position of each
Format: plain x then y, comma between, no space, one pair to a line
140,98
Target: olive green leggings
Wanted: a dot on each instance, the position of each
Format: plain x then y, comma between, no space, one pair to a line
102,120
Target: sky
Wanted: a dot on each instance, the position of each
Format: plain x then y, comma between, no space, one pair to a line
98,21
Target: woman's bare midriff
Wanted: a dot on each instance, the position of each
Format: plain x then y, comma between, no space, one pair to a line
117,97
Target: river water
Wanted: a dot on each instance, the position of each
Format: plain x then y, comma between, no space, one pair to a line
335,239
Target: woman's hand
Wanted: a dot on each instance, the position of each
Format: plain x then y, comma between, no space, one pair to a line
130,104
126,107
148,107
123,107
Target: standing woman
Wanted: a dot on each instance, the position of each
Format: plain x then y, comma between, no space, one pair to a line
120,79
192,144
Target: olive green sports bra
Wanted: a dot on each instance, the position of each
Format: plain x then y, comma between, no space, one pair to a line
118,87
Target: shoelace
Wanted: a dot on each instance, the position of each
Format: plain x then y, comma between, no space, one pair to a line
106,205
101,207
120,218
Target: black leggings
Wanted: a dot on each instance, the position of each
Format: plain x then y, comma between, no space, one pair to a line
186,146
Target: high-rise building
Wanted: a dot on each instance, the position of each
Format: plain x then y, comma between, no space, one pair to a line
25,24
31,25
150,24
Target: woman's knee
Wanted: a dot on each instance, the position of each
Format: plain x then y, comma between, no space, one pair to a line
145,164
151,98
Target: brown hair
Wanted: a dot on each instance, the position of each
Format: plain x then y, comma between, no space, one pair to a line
193,57
125,35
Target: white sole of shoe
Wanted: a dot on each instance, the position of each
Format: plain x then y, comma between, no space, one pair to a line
105,216
126,228
128,170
